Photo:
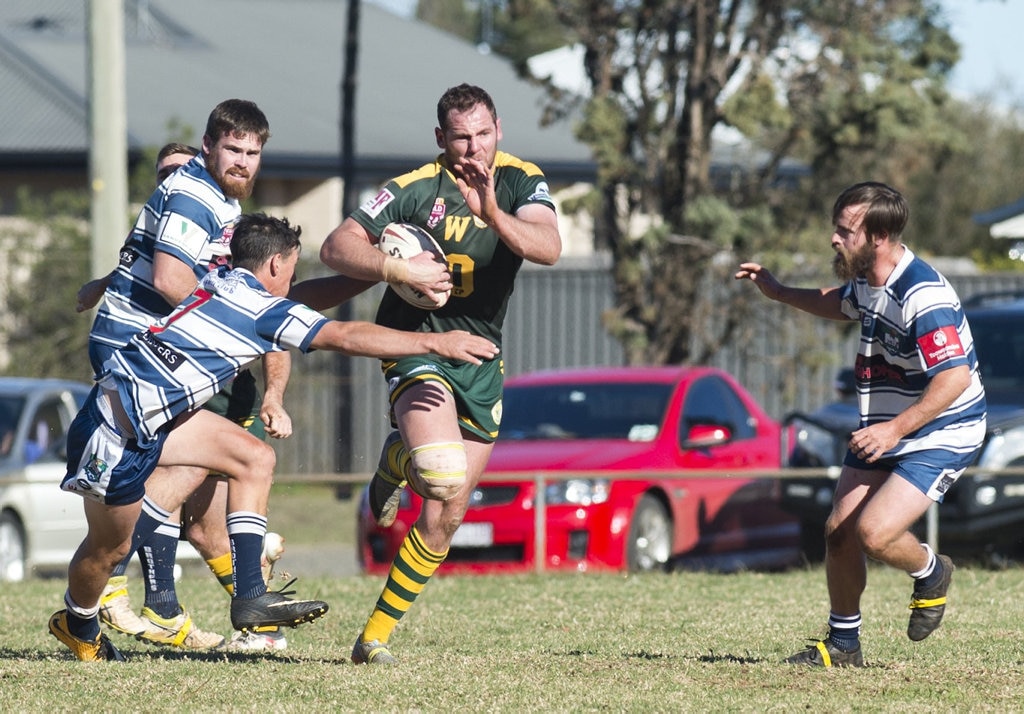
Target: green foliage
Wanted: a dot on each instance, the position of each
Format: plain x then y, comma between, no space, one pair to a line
849,90
140,181
525,28
454,16
45,337
981,171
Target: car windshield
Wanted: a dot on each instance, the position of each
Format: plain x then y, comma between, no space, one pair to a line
10,412
584,411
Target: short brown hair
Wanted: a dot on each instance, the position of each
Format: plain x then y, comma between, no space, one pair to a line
175,147
237,117
887,211
257,237
463,98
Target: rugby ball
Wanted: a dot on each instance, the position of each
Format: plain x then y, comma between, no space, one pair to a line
406,240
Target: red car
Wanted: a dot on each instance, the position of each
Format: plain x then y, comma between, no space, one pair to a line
609,443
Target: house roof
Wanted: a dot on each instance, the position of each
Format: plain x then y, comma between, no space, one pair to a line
1004,221
185,56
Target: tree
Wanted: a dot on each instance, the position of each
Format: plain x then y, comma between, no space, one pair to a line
47,261
985,170
844,89
45,337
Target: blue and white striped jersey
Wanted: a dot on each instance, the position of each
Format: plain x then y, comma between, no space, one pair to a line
182,360
189,217
911,329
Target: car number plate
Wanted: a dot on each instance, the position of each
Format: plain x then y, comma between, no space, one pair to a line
474,535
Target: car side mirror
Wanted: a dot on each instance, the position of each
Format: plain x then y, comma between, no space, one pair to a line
701,436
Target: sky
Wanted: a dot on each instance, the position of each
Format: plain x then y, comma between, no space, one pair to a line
992,53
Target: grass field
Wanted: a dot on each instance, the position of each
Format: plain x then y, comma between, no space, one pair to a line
693,642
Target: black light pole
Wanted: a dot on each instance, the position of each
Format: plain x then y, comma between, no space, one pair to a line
349,195
349,82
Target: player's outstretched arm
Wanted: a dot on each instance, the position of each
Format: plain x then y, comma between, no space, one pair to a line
823,302
365,339
327,292
89,294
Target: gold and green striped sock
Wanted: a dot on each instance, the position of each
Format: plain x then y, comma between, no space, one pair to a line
221,567
410,571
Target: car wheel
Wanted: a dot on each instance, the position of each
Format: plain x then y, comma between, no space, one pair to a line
650,536
12,549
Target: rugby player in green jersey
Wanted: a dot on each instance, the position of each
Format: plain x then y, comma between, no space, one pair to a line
489,211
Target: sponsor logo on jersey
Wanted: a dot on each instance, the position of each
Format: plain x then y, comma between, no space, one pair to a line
375,205
436,213
541,193
169,356
940,345
876,370
455,227
127,257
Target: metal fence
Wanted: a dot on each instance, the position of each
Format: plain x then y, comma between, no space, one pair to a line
786,359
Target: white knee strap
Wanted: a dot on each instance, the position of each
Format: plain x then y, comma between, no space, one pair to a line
438,470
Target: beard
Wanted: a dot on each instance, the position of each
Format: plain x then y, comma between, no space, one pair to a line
848,266
235,183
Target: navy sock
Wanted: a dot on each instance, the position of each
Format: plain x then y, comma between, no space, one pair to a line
157,557
932,579
83,624
246,531
844,631
151,517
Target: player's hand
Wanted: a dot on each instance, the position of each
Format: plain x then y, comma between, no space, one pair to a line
476,184
459,344
429,275
871,442
275,419
762,278
90,293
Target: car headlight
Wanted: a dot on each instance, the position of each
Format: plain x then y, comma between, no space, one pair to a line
1003,448
577,492
985,495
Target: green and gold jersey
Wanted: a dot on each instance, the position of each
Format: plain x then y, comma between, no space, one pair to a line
483,268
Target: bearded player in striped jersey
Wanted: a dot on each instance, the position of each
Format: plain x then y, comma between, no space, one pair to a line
922,412
145,411
489,211
182,232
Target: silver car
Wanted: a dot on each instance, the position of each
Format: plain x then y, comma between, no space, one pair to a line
40,525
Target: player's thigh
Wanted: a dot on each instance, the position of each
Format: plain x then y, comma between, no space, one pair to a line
209,500
426,413
169,486
893,509
211,441
110,527
853,490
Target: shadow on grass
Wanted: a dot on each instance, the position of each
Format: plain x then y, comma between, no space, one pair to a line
171,655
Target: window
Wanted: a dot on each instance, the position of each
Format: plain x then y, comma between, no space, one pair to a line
45,431
712,401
